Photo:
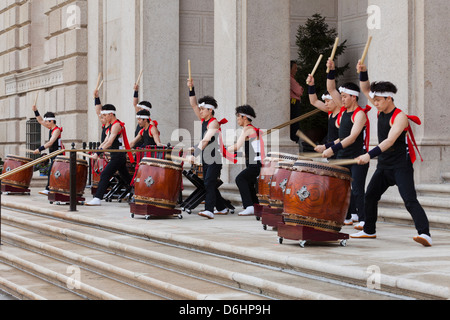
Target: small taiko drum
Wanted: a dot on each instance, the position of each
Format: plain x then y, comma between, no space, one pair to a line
267,172
158,183
97,168
317,196
279,183
60,176
20,181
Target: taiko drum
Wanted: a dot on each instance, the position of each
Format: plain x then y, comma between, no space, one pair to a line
279,183
318,196
158,183
20,180
60,176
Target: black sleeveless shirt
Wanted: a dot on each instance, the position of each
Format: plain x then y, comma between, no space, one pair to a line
397,156
147,140
211,154
357,148
333,131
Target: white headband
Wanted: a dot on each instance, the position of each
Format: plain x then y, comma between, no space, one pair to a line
49,119
108,112
246,115
144,107
348,91
381,94
327,97
207,106
143,117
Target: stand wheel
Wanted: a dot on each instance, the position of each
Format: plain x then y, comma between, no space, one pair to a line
183,209
51,202
303,244
132,216
343,243
280,240
265,227
147,218
258,218
232,211
180,216
188,211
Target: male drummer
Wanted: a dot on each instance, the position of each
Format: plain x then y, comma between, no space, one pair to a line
116,139
208,148
149,133
395,160
55,142
140,106
252,138
352,141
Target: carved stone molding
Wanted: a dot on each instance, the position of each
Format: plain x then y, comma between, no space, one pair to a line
36,79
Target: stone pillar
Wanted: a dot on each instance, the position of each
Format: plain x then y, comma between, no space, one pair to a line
161,65
252,54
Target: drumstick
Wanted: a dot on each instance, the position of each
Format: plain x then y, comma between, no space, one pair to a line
305,138
139,78
317,66
301,118
311,155
344,162
36,99
366,50
333,54
86,155
100,86
190,73
98,81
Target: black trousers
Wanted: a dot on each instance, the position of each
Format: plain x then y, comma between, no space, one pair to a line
246,182
52,161
117,164
211,174
404,179
357,200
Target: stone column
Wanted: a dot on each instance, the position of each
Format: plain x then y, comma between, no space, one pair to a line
161,65
252,54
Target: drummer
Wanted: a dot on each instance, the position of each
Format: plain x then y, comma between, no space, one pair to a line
55,142
149,134
209,150
254,147
352,143
116,139
101,117
329,106
141,106
395,160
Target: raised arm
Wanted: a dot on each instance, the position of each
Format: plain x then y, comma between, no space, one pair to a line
313,99
136,97
364,80
193,98
331,83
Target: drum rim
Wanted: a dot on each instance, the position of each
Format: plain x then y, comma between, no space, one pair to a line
160,161
322,165
63,158
11,156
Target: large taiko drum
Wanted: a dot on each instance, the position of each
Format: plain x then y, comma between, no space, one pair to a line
20,181
158,183
60,176
279,183
317,196
267,171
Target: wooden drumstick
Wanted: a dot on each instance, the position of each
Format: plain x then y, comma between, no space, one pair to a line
366,50
190,73
333,54
296,120
36,99
139,78
305,138
98,81
100,86
86,155
316,66
343,162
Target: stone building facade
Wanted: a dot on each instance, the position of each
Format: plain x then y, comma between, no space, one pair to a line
240,52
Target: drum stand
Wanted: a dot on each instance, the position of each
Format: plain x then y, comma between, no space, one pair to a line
199,195
62,199
307,234
8,190
150,211
271,217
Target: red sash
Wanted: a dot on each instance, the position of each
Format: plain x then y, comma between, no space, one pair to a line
367,130
123,133
60,144
259,136
410,135
227,155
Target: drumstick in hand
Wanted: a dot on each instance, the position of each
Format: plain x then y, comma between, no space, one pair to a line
305,138
366,50
190,73
317,66
333,54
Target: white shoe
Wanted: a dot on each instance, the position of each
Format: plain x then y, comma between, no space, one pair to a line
207,214
96,202
250,211
363,235
44,193
348,222
223,212
360,226
355,218
424,240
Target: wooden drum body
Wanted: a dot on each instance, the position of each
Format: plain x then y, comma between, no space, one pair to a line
279,183
158,183
18,182
60,176
317,196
